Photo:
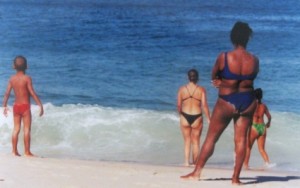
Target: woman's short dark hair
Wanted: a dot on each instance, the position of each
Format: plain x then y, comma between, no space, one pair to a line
240,34
258,94
193,75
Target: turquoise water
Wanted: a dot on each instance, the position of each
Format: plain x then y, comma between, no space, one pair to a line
108,73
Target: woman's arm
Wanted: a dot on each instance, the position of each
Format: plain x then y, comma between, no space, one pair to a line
216,81
179,101
268,116
205,105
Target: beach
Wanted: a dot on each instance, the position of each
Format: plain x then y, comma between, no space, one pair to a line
108,73
36,172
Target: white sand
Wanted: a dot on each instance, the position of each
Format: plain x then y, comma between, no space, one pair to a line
22,172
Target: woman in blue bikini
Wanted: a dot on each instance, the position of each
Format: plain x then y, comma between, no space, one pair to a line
191,98
233,74
258,130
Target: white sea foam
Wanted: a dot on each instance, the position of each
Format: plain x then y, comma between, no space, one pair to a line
102,133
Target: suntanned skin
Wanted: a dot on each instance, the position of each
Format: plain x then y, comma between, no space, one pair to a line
191,134
240,62
21,84
253,135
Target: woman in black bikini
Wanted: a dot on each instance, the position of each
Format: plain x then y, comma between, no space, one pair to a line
191,98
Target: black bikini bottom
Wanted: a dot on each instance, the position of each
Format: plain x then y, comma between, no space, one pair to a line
191,118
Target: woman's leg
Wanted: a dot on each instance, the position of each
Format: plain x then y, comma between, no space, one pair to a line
252,136
242,122
221,117
261,147
195,138
186,133
240,137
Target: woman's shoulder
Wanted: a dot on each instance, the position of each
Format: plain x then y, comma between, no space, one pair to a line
182,88
221,59
201,89
255,58
221,56
263,105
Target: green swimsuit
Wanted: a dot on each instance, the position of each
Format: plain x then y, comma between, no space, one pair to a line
260,128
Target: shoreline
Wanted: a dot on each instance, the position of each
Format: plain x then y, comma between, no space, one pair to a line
52,172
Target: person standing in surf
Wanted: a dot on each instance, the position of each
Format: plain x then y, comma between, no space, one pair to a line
190,102
258,130
233,74
21,84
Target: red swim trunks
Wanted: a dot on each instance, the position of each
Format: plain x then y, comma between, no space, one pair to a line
20,109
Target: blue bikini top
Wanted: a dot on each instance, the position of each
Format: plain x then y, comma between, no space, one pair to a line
226,74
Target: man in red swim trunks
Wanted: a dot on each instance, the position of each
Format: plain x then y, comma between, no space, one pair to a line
23,90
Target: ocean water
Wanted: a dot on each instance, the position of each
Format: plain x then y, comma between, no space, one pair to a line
108,74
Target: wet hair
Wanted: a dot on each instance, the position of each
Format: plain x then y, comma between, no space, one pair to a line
193,75
240,34
258,94
20,66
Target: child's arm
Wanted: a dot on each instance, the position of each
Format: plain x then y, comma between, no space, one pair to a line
5,98
34,95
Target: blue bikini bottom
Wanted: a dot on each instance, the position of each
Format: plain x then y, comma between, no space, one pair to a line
241,100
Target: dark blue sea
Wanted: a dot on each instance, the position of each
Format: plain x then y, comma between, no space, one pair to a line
108,73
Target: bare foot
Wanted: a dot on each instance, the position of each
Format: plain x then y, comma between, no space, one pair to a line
16,154
186,164
269,165
236,182
191,176
29,155
246,167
